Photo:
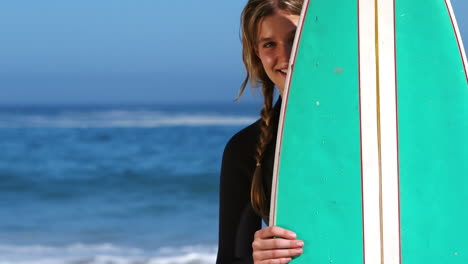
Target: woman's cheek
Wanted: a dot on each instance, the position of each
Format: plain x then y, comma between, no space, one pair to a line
267,58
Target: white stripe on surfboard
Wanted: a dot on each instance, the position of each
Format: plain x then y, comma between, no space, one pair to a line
369,132
388,131
284,105
458,36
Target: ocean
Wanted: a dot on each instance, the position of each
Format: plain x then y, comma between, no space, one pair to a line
113,184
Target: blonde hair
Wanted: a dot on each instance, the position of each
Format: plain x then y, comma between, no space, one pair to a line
253,13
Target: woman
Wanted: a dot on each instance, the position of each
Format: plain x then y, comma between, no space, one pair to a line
268,28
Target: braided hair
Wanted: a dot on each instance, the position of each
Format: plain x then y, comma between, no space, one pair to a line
251,16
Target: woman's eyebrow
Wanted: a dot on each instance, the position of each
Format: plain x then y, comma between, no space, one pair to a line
265,39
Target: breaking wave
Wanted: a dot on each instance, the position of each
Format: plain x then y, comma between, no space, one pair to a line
118,118
105,254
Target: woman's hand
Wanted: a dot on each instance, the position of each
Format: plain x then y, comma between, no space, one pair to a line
270,250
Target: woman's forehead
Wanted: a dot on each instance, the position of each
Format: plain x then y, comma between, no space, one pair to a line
278,23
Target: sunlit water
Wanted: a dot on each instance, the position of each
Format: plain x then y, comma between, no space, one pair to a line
112,184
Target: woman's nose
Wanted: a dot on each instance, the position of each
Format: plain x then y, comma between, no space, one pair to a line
285,51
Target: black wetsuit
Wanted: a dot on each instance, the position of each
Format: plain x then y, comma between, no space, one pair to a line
237,220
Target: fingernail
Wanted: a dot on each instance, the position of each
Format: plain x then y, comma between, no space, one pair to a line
292,234
300,244
298,250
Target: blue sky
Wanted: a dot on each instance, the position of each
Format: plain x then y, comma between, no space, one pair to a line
116,51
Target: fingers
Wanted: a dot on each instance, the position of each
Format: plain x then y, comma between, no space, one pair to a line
277,253
275,261
266,244
274,231
275,245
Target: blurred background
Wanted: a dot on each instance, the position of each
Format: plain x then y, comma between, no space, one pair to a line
113,119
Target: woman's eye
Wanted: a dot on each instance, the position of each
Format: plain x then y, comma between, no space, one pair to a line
268,44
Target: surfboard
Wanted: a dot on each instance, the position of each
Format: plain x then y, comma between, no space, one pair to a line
371,162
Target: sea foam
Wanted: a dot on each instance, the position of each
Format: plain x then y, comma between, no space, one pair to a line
105,254
118,118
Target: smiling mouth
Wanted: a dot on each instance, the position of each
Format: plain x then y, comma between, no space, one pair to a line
283,71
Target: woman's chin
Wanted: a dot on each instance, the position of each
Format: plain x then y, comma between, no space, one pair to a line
280,90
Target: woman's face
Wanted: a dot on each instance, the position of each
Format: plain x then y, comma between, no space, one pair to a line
274,44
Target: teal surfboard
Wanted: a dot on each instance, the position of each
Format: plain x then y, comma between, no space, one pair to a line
372,151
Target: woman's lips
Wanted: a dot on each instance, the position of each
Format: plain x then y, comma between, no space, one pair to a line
283,72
